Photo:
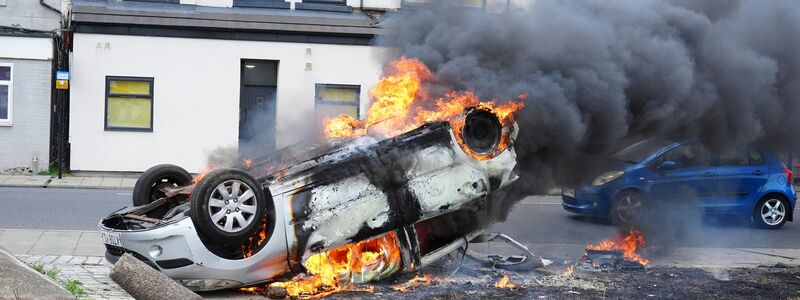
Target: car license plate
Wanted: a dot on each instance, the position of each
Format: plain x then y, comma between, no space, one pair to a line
113,239
568,192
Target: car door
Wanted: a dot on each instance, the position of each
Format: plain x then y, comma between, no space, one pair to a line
690,181
741,173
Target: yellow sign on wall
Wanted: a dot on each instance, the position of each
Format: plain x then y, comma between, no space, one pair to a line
62,84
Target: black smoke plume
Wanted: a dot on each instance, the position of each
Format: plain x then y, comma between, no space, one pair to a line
600,74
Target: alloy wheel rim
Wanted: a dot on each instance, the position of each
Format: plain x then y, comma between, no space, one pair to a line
773,212
628,208
232,206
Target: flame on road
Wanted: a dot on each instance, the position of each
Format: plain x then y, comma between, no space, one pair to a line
503,283
569,271
413,283
629,244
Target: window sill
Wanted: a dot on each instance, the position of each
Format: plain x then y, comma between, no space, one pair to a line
5,123
122,129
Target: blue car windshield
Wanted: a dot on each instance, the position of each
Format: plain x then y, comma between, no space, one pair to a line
641,150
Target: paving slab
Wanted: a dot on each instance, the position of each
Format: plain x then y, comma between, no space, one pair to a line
90,244
92,181
56,243
66,182
128,182
19,241
16,180
3,178
111,182
37,181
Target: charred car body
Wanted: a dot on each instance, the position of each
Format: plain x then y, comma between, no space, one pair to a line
237,228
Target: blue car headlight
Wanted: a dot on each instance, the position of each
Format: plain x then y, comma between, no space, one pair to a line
607,177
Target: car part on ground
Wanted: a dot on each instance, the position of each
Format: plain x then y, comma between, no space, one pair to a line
524,261
149,187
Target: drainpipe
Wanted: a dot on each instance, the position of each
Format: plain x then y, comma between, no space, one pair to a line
50,7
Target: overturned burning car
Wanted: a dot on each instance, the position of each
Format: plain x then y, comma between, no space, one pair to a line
393,196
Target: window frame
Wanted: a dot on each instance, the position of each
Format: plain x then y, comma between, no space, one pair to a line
9,120
108,94
318,100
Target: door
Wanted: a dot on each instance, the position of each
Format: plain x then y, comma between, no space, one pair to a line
257,108
742,171
692,180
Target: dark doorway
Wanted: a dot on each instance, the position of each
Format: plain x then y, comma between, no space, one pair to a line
257,108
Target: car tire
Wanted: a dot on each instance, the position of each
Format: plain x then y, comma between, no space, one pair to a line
771,212
148,187
228,206
627,208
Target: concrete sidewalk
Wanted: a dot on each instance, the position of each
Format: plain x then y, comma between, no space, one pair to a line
98,181
52,242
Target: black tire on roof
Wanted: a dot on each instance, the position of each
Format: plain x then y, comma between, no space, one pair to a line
147,188
239,211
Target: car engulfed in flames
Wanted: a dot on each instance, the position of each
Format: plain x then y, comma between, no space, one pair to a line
392,193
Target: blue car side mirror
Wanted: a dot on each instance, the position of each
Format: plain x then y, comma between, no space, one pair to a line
668,165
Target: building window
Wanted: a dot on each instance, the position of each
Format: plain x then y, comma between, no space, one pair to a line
129,103
6,94
337,99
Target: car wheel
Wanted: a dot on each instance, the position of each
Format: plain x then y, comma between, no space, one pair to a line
228,206
148,186
627,208
770,212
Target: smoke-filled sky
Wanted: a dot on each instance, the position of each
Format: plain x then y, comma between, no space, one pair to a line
602,73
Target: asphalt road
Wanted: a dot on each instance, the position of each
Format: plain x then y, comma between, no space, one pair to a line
538,219
49,208
541,219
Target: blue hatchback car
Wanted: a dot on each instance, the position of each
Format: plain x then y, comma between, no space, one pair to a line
750,181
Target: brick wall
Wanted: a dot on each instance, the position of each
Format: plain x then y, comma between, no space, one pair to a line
29,134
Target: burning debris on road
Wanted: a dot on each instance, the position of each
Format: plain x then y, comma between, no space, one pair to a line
619,252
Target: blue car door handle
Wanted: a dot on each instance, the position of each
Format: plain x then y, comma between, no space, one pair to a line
708,174
758,172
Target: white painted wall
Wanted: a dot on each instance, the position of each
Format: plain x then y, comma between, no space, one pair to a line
26,47
196,94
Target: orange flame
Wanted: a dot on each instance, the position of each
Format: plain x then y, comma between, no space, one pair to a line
503,283
417,281
629,244
401,103
569,271
338,269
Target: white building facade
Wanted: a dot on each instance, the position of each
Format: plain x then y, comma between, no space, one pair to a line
160,83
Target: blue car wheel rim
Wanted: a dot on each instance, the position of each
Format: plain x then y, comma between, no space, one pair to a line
773,212
628,208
